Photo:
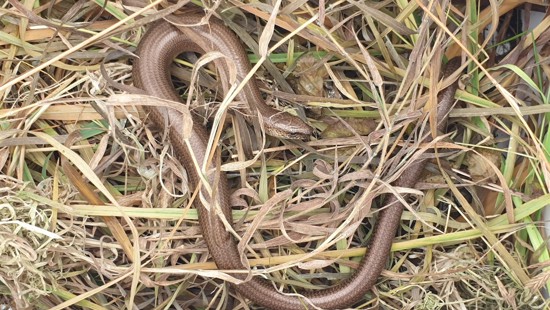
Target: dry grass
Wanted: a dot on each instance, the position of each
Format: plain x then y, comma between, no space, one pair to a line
360,72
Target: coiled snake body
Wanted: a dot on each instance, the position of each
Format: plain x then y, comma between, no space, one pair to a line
156,51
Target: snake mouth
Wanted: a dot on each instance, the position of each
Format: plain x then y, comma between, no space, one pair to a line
296,136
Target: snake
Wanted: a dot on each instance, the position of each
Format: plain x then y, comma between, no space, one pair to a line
157,49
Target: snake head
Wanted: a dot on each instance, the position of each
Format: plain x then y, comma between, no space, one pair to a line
286,126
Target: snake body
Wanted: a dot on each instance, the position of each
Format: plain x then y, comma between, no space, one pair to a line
156,51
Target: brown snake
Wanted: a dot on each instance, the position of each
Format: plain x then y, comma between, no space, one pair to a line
156,51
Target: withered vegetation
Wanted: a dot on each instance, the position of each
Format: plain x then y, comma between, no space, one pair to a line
363,74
